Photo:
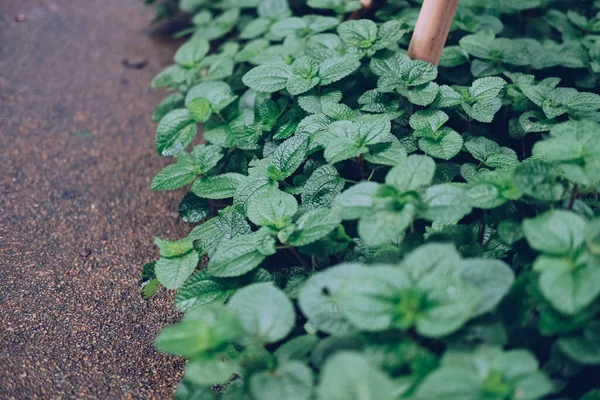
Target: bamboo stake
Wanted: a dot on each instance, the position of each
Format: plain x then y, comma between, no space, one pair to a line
432,30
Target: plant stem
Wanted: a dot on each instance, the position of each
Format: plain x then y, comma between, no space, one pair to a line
371,175
299,257
573,196
361,166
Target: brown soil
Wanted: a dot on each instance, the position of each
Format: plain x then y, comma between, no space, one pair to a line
77,216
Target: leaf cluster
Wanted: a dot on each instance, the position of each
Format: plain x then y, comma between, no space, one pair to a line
378,227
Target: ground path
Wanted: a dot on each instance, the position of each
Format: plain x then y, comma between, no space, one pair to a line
77,216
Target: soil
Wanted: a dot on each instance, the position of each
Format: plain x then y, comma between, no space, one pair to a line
77,216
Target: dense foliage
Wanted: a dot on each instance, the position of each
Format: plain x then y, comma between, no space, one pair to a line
376,227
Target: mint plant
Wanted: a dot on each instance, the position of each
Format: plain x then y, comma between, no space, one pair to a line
367,226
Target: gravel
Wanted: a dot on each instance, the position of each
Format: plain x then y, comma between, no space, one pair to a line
77,216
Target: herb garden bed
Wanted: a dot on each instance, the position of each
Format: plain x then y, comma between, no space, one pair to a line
377,227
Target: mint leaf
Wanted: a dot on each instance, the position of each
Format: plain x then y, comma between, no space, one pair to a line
218,187
268,78
176,175
272,208
175,132
414,172
192,52
264,311
292,379
334,69
349,376
173,272
314,225
555,232
241,254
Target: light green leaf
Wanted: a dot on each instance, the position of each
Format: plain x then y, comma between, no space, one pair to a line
318,299
493,278
219,186
199,290
356,201
314,225
203,329
268,78
175,176
272,208
175,132
241,254
412,173
173,272
555,232
334,69
265,312
200,109
323,185
359,33
192,52
446,203
292,380
486,89
349,376
445,144
218,94
340,149
385,226
428,121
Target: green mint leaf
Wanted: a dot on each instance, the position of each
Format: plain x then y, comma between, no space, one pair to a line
268,78
199,109
241,254
414,172
265,312
192,52
323,185
585,347
173,272
446,203
292,379
202,330
218,94
172,76
193,209
358,33
290,154
272,208
175,132
493,278
445,144
385,226
314,225
349,376
340,149
486,89
318,299
256,28
555,232
453,56
274,9
356,201
428,121
334,69
200,290
253,186
218,187
175,176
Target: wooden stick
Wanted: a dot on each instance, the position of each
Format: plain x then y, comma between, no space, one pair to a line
432,30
